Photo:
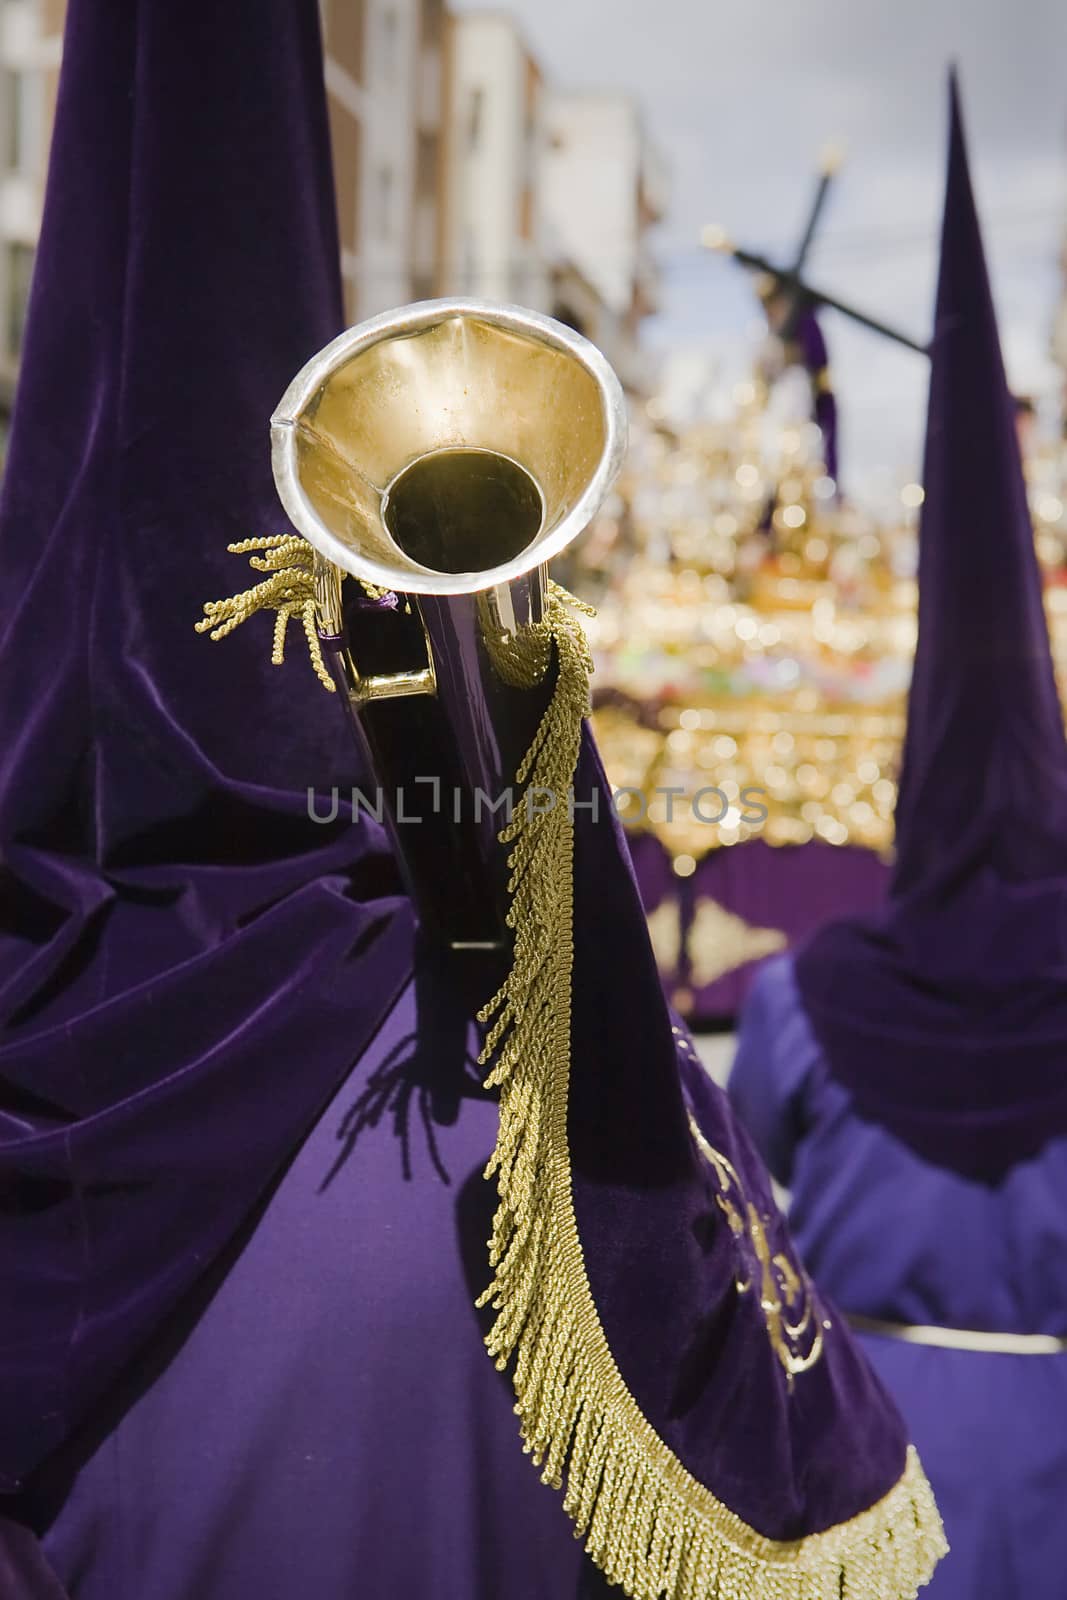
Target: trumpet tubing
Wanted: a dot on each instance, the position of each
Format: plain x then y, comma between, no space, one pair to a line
443,454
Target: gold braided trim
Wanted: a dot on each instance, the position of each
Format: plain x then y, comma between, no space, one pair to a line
522,658
289,591
647,1523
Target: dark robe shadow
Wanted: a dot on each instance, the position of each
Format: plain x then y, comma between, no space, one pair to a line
431,1071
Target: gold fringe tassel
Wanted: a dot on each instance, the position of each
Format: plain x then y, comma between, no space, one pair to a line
647,1523
289,591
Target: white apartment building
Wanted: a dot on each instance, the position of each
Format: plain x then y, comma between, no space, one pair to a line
30,49
494,244
456,171
549,197
603,187
385,78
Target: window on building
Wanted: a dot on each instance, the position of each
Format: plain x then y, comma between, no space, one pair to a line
471,274
345,137
385,202
390,27
432,22
19,273
426,163
532,91
346,35
12,91
350,290
23,121
475,108
526,212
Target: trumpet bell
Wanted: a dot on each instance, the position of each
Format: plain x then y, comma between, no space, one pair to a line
448,447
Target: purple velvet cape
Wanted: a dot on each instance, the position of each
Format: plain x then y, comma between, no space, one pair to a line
182,931
175,929
662,1268
946,1015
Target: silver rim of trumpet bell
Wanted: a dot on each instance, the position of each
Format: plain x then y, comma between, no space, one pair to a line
436,376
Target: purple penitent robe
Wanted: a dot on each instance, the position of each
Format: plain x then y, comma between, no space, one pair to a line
242,1216
332,1424
892,1237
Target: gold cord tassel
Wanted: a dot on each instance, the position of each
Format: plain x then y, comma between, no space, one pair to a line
647,1523
289,591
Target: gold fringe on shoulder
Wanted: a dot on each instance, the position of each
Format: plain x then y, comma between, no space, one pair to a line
647,1523
289,591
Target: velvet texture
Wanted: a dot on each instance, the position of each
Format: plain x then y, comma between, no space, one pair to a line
946,1016
662,1265
176,931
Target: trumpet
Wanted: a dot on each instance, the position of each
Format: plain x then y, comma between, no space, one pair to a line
441,455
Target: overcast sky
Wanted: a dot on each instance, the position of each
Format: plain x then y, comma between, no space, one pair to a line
741,95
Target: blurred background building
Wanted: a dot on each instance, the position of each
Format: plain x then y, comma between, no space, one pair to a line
605,187
386,78
494,216
1059,325
31,33
458,171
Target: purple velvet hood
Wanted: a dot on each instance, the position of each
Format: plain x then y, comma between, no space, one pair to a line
188,964
946,1015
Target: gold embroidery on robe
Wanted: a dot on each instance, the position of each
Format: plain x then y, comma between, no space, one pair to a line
795,1323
